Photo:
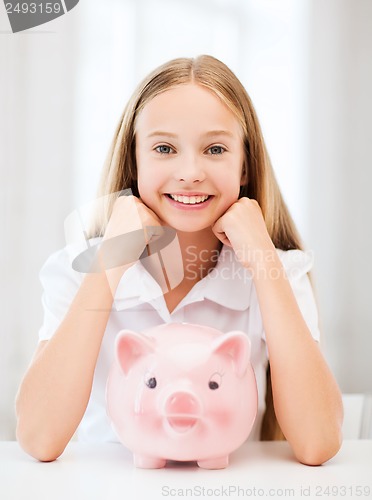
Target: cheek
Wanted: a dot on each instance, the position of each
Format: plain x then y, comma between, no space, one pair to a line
147,183
142,187
230,188
146,415
221,405
229,177
149,176
144,177
145,404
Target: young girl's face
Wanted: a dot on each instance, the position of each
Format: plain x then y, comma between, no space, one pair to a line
189,153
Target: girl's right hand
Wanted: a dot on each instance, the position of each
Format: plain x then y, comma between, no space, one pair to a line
131,227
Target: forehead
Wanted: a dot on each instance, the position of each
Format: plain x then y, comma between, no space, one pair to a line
187,105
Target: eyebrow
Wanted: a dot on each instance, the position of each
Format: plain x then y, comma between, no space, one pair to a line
207,134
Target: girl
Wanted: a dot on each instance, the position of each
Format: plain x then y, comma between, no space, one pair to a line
190,149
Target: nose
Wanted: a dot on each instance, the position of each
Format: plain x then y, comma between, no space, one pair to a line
182,403
191,171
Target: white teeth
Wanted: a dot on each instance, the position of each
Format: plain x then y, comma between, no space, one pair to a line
189,200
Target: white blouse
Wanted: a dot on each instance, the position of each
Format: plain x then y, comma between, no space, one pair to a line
225,299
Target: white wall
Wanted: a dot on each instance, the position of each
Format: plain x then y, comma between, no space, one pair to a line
339,172
37,158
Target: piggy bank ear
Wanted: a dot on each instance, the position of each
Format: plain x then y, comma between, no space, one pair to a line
130,347
237,346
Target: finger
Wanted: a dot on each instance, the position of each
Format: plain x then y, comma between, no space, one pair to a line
221,235
153,233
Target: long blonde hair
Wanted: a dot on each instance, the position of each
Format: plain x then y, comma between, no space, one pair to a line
120,171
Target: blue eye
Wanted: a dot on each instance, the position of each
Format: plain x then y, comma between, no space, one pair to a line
216,150
163,149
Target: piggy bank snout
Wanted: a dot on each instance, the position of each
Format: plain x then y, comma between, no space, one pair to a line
182,412
182,403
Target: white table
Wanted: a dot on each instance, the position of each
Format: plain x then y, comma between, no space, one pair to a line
256,470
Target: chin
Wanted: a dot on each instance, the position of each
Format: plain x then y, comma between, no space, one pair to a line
188,228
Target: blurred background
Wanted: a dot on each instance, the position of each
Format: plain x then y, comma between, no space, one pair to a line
308,69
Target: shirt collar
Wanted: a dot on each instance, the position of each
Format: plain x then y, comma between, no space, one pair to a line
228,284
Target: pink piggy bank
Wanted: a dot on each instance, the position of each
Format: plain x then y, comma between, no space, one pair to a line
182,392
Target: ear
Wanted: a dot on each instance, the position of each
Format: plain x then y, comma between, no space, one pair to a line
237,346
130,347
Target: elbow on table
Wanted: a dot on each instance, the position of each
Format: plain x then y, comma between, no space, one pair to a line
41,448
315,454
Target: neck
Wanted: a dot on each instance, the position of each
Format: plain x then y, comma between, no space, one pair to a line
203,240
199,254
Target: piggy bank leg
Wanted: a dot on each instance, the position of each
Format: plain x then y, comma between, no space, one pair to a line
144,462
214,463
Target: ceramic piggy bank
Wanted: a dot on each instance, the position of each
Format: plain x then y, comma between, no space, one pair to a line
182,392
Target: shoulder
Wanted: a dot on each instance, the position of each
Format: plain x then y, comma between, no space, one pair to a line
57,277
59,265
296,263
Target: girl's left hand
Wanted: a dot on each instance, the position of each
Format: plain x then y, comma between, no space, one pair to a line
243,228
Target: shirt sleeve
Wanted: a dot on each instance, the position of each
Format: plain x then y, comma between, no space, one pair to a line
297,264
60,284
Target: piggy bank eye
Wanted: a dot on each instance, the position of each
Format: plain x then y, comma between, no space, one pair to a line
151,382
215,381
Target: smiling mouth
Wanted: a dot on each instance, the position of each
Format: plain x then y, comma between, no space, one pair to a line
189,200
